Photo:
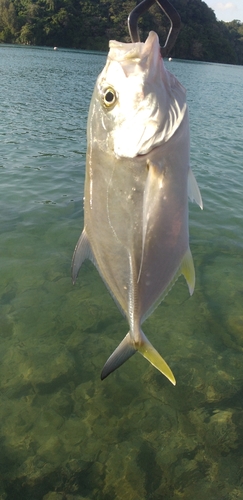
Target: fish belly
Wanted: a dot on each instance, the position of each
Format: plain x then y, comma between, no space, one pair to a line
113,221
136,220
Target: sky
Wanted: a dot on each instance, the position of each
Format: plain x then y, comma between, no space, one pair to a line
227,10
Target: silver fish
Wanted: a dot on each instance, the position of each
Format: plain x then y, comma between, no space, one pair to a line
137,184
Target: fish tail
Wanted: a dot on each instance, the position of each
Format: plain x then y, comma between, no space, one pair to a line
123,352
149,352
128,347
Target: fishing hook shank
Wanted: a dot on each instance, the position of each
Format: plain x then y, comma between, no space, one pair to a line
170,12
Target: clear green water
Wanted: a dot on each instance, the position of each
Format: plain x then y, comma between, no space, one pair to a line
64,434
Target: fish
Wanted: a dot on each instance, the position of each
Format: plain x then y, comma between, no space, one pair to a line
137,183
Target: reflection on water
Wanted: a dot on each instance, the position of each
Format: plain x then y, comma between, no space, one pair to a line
65,434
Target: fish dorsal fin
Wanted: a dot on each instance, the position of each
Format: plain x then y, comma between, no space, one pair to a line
188,271
193,189
81,253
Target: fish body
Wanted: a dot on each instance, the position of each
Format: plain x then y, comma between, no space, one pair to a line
137,184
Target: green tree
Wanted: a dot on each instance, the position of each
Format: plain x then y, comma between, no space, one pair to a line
90,24
8,21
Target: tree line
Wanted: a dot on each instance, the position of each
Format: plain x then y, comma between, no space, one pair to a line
90,24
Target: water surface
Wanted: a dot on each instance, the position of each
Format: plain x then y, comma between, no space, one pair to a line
64,433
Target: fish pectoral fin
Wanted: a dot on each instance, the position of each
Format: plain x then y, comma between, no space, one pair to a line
193,189
123,352
188,271
150,353
82,251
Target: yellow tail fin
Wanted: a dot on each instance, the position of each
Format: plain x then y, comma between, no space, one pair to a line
127,348
150,353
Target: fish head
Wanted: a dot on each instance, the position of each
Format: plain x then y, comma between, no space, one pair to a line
137,104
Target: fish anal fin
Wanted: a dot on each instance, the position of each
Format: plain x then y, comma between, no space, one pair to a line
188,271
193,189
123,352
150,353
82,251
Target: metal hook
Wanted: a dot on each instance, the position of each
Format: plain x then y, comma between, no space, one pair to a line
170,12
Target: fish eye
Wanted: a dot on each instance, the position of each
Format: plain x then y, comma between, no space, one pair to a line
109,97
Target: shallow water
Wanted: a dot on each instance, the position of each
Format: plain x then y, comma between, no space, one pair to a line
64,433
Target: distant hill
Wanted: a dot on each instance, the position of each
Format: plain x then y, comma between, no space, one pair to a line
90,24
